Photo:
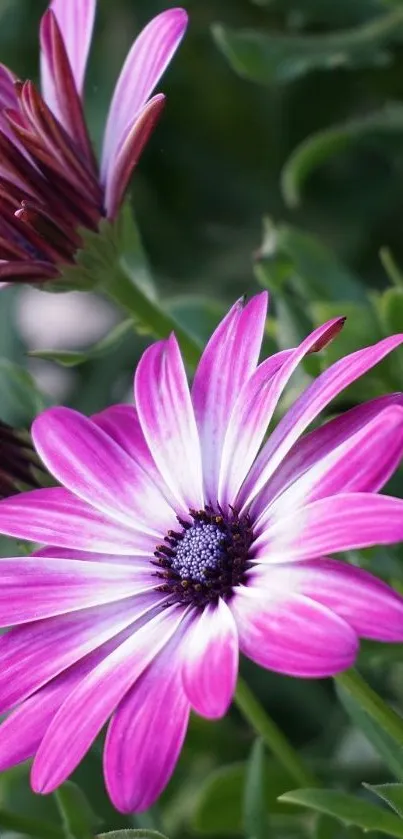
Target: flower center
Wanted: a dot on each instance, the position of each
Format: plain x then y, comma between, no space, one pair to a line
206,559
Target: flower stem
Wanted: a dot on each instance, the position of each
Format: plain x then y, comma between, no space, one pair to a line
274,739
355,686
149,314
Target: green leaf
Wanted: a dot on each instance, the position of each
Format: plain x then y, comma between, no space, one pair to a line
132,834
348,809
255,811
70,358
289,254
391,267
391,793
27,826
316,11
390,305
318,148
272,59
20,399
78,819
327,828
219,806
382,726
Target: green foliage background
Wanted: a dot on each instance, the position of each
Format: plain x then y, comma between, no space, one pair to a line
301,123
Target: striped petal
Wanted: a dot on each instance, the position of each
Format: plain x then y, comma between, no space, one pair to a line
312,447
363,463
23,730
147,60
137,764
87,709
307,407
368,605
138,133
39,587
228,361
291,634
210,665
255,407
341,523
33,654
121,422
167,419
56,517
76,22
80,455
59,78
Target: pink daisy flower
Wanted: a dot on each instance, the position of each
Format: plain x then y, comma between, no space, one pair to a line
179,538
50,184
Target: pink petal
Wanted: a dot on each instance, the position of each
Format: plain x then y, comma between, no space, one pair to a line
227,363
87,709
59,78
146,734
138,133
247,426
307,407
24,728
9,101
166,415
362,463
121,422
138,563
147,60
33,654
255,407
8,96
81,456
210,665
56,517
368,605
312,447
39,587
340,523
22,731
291,634
76,21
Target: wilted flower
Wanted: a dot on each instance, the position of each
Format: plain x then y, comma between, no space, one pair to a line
50,185
19,463
178,539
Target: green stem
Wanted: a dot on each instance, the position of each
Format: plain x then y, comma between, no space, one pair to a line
149,314
274,739
355,686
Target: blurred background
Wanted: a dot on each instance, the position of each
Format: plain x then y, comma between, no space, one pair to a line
279,161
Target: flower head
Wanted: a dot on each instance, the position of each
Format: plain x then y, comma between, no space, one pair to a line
50,184
179,538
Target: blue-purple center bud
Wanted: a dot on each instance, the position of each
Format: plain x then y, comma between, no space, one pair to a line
200,551
206,558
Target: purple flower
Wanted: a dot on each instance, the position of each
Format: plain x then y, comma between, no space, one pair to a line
50,185
180,537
